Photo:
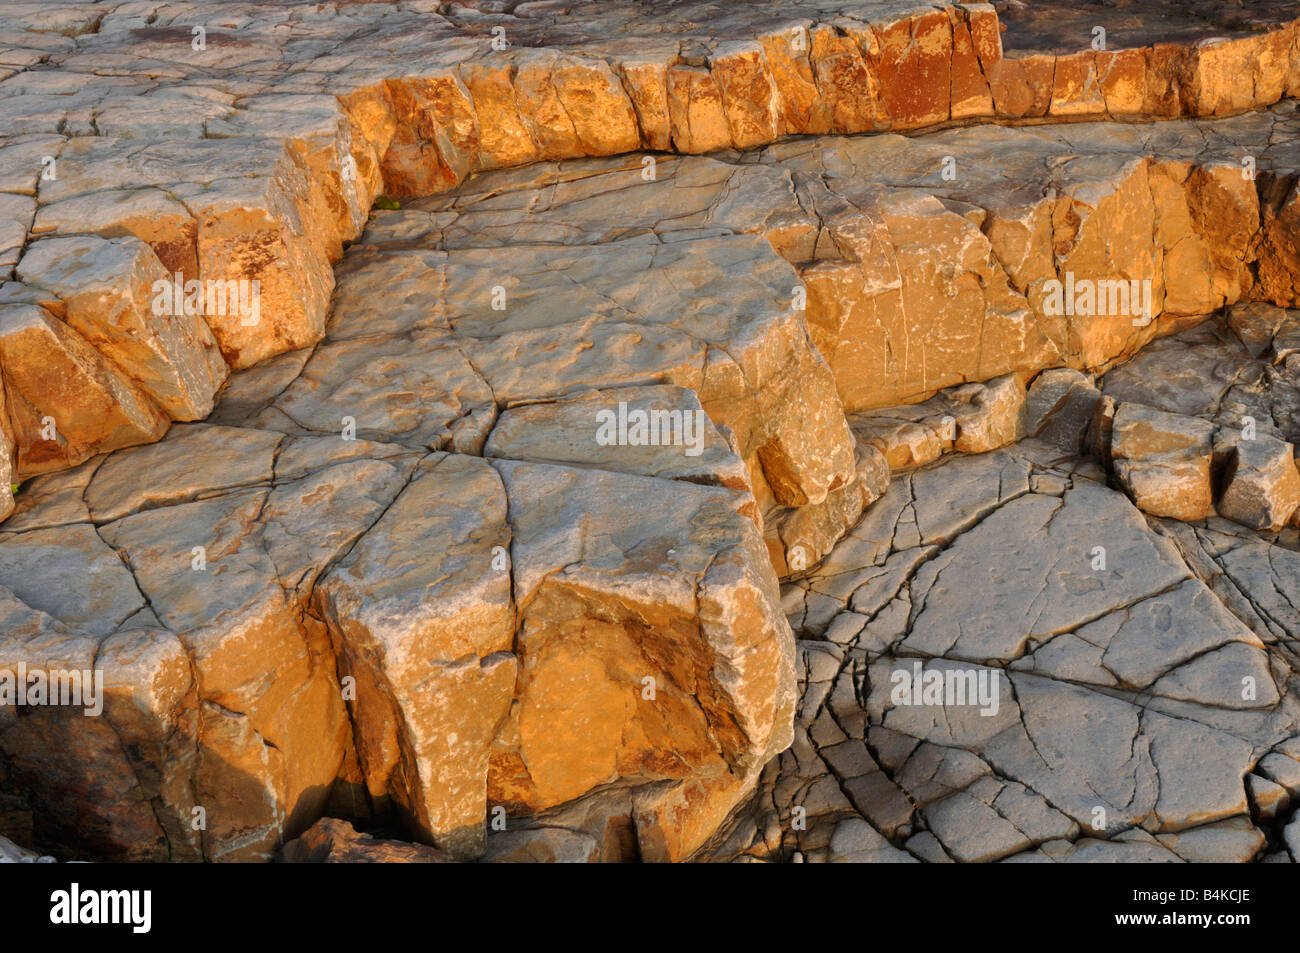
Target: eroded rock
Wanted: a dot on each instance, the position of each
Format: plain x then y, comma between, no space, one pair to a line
1163,460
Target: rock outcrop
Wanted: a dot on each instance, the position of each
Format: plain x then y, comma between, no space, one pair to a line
555,434
255,156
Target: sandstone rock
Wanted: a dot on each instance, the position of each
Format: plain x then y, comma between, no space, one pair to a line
1008,784
1188,373
903,443
65,402
427,645
1163,461
1185,214
1280,213
650,431
970,418
751,365
1291,837
334,841
264,599
870,312
271,722
108,290
247,230
424,393
991,416
798,537
148,214
180,469
698,595
74,764
1261,482
222,688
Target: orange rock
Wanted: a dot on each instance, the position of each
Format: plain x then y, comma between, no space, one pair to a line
970,95
647,84
503,136
426,641
249,230
115,293
1168,72
1123,80
673,823
914,70
435,136
574,106
1279,248
802,108
847,84
602,116
625,673
750,98
65,402
1076,90
333,841
696,111
149,214
1022,87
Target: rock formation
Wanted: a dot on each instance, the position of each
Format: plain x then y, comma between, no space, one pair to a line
595,432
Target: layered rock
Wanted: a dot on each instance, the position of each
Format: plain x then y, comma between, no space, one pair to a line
490,530
1102,663
256,154
1203,422
275,631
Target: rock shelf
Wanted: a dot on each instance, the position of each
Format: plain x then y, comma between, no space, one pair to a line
584,412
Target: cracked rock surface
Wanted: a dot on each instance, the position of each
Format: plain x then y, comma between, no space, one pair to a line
1125,694
822,432
248,143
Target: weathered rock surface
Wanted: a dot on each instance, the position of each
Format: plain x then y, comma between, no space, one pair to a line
489,522
1101,665
1208,416
1261,483
1163,461
255,154
104,290
969,418
276,633
333,841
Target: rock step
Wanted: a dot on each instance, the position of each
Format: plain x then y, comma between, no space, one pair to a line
255,156
1198,424
515,365
898,312
371,656
278,616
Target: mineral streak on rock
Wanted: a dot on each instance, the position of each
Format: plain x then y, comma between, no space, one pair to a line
843,432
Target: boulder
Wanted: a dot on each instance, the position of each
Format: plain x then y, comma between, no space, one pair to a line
1163,461
118,297
65,401
334,841
1261,485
